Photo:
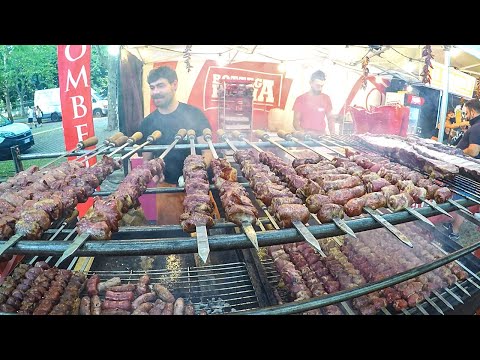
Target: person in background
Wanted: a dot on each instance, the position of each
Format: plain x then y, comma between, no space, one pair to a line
311,108
30,114
170,116
450,120
470,144
38,116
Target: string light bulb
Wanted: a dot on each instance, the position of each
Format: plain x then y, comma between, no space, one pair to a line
282,67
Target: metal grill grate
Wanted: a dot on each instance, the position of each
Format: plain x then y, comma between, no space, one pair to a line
229,283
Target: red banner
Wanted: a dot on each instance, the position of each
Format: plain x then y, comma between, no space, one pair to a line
76,97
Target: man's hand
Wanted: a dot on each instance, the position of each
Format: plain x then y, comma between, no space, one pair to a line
331,125
473,150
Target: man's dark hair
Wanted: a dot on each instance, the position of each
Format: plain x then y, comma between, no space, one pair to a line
163,72
318,75
473,104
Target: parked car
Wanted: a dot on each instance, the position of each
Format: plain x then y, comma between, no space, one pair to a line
12,134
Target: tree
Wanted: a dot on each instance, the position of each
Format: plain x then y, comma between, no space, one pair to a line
26,68
110,63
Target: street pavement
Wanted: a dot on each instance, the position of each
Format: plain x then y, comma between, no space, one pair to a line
49,137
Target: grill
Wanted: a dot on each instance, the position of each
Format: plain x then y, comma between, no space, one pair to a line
227,284
235,283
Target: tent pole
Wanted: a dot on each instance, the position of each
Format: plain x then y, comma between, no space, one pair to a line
444,104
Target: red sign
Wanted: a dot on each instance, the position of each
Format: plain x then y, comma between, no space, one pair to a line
75,96
414,100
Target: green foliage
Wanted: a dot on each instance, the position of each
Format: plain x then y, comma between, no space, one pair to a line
99,69
26,68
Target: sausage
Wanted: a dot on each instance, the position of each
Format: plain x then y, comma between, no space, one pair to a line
330,211
157,308
375,200
277,201
141,289
287,213
163,293
125,287
354,207
442,195
92,285
151,296
115,312
342,196
144,279
330,177
112,304
119,296
105,285
75,307
189,310
143,309
342,183
390,190
85,306
400,201
316,201
179,306
376,185
95,305
168,309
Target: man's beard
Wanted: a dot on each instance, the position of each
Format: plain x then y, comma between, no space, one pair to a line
163,102
316,92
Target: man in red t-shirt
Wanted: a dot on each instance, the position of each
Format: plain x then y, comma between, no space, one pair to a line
311,108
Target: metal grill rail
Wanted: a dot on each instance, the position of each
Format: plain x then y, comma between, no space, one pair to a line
424,308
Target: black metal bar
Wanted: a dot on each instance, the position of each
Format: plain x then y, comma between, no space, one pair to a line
15,150
162,190
163,246
302,306
51,155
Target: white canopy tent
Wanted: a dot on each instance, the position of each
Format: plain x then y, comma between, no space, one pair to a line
404,61
400,61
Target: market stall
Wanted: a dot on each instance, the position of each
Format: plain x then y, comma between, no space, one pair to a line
283,223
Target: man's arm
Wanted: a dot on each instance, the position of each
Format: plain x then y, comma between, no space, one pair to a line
472,150
331,123
296,120
474,140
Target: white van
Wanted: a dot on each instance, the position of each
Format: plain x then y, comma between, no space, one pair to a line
49,102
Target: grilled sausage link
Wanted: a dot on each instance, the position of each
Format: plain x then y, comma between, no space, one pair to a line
95,305
179,306
112,304
151,296
163,293
106,285
85,306
119,296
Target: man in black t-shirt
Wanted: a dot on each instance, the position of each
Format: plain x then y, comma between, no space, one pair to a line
169,117
470,144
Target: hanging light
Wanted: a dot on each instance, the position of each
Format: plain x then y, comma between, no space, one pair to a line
409,88
281,67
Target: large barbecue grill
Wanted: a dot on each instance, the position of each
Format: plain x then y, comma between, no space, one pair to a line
246,281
